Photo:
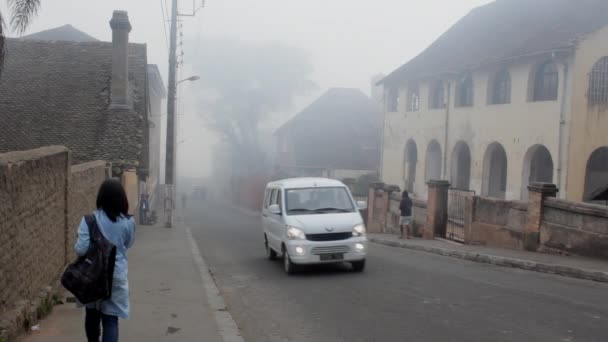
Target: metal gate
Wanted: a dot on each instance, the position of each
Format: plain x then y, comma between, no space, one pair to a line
456,213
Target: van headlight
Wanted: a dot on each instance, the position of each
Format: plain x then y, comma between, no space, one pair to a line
359,230
294,233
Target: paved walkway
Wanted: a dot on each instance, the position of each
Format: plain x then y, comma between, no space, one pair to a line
569,266
171,300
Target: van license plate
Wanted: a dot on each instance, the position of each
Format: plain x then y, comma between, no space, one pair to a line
334,256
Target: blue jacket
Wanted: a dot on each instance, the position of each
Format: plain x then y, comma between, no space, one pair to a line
122,234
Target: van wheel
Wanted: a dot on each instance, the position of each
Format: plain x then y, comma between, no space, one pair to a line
289,267
358,266
270,253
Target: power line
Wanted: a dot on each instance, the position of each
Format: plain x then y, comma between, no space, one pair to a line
163,9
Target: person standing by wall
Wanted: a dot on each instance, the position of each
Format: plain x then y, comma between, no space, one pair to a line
406,215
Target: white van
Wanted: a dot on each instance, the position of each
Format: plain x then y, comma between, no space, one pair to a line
313,221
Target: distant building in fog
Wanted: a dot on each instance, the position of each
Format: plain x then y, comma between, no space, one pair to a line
337,136
515,92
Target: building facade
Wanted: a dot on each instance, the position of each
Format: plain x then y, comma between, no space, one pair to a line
493,112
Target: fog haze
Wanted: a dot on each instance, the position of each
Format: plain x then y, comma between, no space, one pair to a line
347,41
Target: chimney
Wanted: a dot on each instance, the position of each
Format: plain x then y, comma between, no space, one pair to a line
121,27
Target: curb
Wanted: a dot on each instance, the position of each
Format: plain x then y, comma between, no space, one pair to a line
228,329
566,271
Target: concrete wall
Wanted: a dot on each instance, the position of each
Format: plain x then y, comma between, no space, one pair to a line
517,126
589,124
42,199
575,227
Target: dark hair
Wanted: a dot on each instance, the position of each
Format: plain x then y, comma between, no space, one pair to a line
404,194
112,199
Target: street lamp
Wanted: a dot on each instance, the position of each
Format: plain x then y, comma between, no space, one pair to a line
190,79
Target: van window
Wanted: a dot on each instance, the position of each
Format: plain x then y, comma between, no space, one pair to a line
318,201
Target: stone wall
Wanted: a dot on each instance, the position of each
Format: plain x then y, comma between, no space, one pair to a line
575,227
33,204
41,200
496,223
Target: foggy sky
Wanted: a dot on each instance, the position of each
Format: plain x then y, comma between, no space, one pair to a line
348,41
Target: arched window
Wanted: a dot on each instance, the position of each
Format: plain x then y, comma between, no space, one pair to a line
501,92
546,83
413,99
465,91
598,84
437,95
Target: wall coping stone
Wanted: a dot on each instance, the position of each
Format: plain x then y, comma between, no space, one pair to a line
22,156
577,207
436,183
88,166
545,188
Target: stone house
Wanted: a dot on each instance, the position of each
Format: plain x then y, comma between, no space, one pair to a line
515,92
337,136
99,99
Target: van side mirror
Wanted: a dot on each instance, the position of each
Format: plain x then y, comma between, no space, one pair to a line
275,209
362,205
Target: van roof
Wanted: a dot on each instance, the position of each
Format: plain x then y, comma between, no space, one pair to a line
306,183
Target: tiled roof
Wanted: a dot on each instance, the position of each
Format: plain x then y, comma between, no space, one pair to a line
58,93
64,33
503,30
339,130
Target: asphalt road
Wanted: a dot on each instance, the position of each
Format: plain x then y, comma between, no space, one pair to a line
402,296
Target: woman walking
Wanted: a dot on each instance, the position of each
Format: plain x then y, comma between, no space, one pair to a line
118,227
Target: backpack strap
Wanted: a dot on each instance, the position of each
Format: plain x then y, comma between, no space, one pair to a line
94,233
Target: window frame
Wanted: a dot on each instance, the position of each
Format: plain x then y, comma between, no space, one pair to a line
413,103
434,92
546,82
466,91
499,97
392,102
598,83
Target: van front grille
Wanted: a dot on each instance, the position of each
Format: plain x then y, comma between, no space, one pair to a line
329,236
330,250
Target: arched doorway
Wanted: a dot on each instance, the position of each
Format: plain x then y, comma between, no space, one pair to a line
460,174
596,177
538,167
495,172
409,165
432,169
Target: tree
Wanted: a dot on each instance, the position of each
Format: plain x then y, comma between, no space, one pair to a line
22,13
243,83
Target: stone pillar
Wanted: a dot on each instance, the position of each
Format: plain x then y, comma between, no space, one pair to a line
437,209
121,27
373,225
537,192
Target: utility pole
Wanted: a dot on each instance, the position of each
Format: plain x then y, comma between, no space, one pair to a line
170,191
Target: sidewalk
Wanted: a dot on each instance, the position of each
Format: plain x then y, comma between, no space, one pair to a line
171,300
569,266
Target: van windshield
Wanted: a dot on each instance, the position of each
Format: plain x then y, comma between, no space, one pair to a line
318,201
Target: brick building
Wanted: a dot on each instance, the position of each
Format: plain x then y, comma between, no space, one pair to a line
64,87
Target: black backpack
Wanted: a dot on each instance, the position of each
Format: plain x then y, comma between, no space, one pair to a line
90,277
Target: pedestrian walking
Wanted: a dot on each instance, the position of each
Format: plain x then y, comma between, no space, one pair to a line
118,227
406,215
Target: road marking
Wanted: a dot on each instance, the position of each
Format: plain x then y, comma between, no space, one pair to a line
229,331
